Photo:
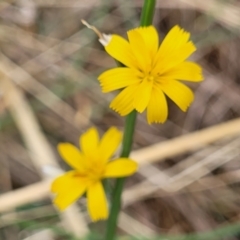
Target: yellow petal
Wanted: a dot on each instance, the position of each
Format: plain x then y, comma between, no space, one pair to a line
123,102
97,202
157,110
109,143
62,201
174,40
121,167
89,142
150,36
179,93
188,71
118,78
174,49
63,182
68,188
120,49
139,49
142,95
71,155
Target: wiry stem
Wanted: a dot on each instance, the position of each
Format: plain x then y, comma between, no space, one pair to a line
146,20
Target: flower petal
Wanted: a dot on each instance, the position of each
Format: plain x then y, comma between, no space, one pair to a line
89,142
142,95
120,49
71,155
123,102
139,49
97,202
62,201
174,49
63,182
117,78
188,71
179,93
68,189
157,110
121,167
151,39
109,143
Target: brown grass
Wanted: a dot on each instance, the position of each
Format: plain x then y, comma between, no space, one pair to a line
49,63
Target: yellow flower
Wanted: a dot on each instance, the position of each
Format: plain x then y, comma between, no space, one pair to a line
151,72
90,165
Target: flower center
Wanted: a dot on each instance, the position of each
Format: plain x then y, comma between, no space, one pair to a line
149,77
94,172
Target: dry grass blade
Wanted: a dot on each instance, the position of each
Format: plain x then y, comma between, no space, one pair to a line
28,194
20,77
134,227
170,181
84,4
189,142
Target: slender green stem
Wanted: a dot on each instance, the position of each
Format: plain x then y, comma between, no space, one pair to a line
128,133
117,191
146,20
147,12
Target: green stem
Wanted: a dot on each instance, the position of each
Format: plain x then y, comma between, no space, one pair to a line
147,12
128,134
117,191
146,20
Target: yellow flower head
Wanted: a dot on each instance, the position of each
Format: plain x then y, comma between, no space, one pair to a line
151,71
90,165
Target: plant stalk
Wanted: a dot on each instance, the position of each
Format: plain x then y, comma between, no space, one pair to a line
146,20
147,13
118,188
